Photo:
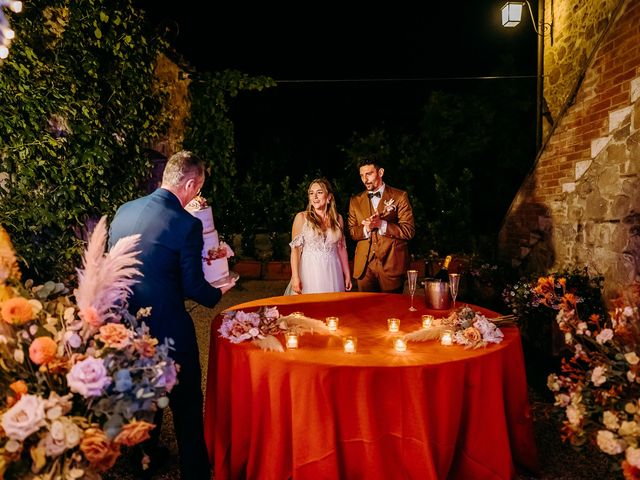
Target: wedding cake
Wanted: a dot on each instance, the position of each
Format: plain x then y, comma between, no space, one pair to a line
214,253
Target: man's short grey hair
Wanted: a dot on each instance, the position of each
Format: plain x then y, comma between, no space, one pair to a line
182,166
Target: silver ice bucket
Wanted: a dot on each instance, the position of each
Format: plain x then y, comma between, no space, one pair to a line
436,294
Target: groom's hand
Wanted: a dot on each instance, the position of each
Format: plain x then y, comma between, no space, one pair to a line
374,221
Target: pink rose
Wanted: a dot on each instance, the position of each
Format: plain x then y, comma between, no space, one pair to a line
88,377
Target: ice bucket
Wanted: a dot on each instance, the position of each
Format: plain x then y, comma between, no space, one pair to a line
436,294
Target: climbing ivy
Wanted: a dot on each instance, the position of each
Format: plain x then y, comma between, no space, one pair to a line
78,106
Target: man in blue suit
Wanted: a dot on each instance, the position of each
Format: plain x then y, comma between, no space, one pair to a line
171,244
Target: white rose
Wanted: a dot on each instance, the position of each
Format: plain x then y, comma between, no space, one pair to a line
632,456
609,443
627,311
604,336
24,418
562,400
632,358
610,420
598,376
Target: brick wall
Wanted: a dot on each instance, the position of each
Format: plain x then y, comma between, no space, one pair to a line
581,203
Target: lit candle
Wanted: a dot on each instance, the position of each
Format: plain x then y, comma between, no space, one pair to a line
332,323
427,321
292,340
400,344
350,344
446,338
394,325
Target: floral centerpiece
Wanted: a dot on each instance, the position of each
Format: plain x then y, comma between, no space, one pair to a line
597,394
81,377
264,325
535,303
470,329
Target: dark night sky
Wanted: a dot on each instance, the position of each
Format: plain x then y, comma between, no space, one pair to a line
305,122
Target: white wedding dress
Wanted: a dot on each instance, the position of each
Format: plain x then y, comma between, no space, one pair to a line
320,268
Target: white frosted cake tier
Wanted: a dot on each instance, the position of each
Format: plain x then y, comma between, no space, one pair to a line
213,268
205,215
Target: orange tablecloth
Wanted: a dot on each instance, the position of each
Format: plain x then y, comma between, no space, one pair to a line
433,412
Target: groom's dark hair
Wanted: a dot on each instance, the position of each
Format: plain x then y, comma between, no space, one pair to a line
371,159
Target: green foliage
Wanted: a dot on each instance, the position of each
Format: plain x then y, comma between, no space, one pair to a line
454,167
249,203
78,106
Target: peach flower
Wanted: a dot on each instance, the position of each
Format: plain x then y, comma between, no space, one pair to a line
146,346
115,335
17,311
134,433
472,334
42,350
91,316
19,387
98,450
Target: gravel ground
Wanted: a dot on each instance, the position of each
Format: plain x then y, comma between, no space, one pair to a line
558,460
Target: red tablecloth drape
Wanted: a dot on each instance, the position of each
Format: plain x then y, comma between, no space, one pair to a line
433,412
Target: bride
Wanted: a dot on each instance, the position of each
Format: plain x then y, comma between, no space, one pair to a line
319,261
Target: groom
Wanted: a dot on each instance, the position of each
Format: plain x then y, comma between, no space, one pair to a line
381,222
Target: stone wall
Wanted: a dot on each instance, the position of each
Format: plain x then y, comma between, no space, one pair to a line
581,203
577,27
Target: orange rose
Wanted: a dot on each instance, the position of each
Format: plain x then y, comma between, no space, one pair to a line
146,346
115,335
98,450
19,387
472,334
17,311
135,432
42,350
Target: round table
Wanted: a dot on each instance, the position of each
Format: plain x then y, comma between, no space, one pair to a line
317,412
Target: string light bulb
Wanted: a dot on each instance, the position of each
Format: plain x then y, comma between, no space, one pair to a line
6,33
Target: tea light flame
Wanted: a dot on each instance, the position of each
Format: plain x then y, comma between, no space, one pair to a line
427,321
400,345
446,339
332,323
394,325
292,341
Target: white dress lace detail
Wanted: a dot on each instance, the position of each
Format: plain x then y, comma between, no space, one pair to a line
320,268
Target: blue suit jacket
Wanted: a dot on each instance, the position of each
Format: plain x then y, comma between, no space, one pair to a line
171,246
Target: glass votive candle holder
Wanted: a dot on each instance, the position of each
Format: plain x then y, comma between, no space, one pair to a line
400,344
291,340
446,338
350,344
393,324
332,323
427,321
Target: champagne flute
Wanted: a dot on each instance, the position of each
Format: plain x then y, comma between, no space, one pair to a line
412,277
454,281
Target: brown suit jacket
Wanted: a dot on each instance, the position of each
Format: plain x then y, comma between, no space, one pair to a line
391,248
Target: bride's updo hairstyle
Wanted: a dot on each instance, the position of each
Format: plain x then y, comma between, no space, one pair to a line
332,214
